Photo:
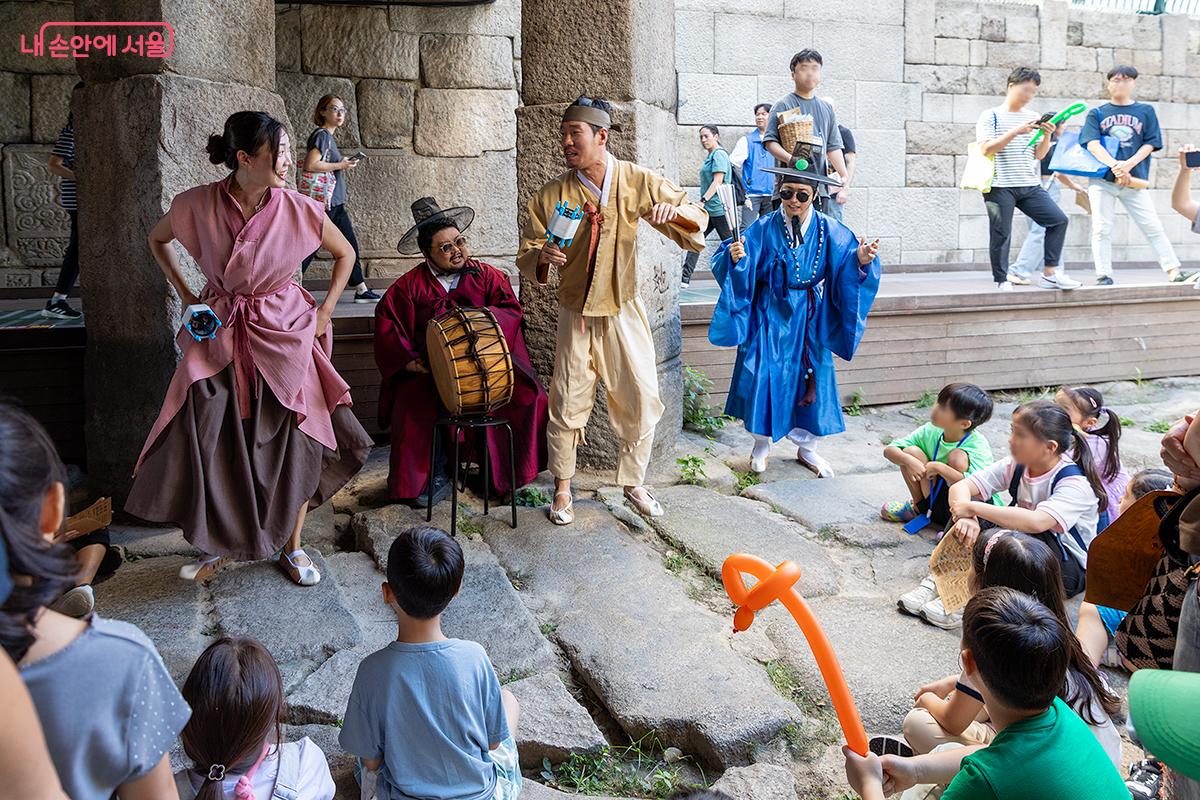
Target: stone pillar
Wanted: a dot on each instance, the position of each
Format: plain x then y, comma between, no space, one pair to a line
622,51
141,125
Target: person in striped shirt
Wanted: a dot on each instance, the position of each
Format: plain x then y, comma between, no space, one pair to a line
1005,133
62,164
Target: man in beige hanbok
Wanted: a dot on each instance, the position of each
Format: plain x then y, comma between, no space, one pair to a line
603,333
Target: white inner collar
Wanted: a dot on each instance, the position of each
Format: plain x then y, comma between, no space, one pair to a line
601,192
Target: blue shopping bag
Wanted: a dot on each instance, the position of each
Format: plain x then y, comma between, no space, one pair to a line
1070,158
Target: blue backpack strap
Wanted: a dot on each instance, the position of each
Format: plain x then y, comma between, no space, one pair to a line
1070,471
1015,484
287,780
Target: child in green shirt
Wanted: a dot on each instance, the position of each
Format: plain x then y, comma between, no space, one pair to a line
940,453
1015,652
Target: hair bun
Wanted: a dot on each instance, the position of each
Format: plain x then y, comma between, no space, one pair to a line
218,150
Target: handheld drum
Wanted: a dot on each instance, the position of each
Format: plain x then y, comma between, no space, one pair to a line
470,361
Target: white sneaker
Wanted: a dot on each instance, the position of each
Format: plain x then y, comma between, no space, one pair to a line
77,603
1005,286
1017,280
1058,281
934,612
912,602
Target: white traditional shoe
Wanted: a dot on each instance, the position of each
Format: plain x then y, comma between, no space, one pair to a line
648,508
811,460
301,575
758,465
202,568
564,515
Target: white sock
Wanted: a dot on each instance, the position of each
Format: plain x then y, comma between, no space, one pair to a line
58,296
362,287
762,446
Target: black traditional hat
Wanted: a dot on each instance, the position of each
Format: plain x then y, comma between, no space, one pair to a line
806,175
425,212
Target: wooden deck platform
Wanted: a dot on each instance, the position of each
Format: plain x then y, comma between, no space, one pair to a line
926,329
929,329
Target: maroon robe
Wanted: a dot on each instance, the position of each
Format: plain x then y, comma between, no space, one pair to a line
409,401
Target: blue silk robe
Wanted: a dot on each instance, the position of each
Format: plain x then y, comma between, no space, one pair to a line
788,310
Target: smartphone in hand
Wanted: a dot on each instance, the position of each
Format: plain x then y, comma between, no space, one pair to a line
1192,159
359,156
1049,115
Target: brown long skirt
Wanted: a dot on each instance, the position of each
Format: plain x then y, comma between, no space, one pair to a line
235,486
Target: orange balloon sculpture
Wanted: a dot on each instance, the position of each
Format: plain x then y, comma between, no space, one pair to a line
778,583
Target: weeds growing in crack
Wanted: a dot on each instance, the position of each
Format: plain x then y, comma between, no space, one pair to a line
638,769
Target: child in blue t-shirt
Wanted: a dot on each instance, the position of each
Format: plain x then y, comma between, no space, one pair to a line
1134,126
428,712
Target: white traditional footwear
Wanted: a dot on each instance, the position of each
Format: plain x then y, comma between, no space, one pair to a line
566,514
811,460
647,508
758,464
301,575
202,568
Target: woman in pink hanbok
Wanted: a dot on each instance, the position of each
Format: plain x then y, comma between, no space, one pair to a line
256,427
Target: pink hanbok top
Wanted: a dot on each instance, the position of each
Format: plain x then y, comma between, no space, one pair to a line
269,321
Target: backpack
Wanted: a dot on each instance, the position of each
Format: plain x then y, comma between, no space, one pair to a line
739,185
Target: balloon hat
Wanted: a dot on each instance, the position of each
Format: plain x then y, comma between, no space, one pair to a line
1062,116
778,583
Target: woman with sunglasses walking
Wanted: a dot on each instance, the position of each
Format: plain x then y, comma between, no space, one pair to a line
794,290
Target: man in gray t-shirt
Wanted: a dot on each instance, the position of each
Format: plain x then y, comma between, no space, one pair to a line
806,73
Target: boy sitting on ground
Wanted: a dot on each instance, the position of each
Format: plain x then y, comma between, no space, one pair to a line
1015,652
426,711
940,453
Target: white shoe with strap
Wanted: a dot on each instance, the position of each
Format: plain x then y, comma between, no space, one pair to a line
301,574
649,507
566,514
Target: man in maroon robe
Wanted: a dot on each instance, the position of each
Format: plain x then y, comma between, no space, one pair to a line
408,399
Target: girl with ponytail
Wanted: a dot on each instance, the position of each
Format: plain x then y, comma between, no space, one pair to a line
1086,407
234,737
1056,489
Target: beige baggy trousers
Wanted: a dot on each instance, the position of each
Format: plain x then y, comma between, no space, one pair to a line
620,351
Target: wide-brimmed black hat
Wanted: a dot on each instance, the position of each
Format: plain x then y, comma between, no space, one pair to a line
802,174
425,212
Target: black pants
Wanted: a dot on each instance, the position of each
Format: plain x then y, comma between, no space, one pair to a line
721,226
341,219
70,268
1034,203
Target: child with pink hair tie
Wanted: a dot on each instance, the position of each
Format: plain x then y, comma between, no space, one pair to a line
234,735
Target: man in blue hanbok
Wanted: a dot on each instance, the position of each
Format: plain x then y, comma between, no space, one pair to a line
795,290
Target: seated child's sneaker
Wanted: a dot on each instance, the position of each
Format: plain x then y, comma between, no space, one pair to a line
912,602
896,511
1145,780
934,612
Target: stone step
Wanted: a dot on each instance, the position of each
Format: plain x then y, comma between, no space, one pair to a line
708,527
553,725
885,656
487,610
172,612
757,782
658,661
815,503
150,542
301,626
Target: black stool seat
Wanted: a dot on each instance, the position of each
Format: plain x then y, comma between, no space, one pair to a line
454,426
